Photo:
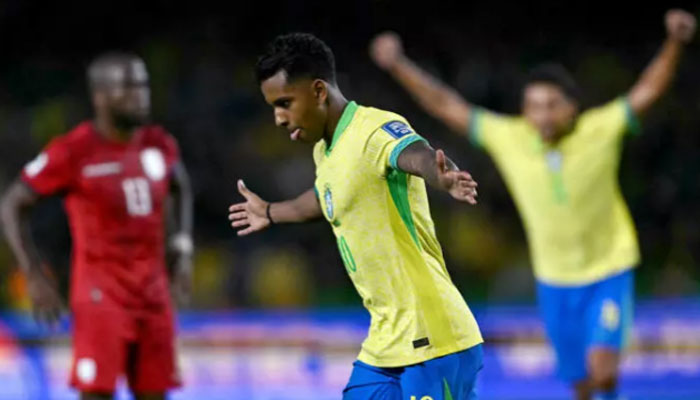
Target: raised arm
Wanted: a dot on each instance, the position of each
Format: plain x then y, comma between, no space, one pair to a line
15,209
256,214
438,171
436,98
657,77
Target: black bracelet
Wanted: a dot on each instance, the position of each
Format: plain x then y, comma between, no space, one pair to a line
267,211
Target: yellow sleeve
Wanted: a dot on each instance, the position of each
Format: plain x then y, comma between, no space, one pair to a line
613,119
489,130
385,144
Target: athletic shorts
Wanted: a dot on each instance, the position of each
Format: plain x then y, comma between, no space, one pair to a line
578,319
109,342
451,377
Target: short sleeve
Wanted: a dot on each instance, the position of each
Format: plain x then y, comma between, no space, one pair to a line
613,119
490,131
52,170
386,143
172,151
157,136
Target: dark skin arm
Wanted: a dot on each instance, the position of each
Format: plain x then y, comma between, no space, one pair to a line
181,242
417,159
251,215
445,104
434,96
15,211
438,171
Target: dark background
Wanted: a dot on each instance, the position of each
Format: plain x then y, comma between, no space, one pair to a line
201,59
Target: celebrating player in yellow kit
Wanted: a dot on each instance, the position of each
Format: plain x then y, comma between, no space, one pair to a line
371,169
561,167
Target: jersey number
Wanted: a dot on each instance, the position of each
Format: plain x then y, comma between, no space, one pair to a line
138,196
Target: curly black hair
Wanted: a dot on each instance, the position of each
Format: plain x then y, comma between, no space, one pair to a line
300,55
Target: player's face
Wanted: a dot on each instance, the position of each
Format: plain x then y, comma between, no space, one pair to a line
299,106
126,94
549,110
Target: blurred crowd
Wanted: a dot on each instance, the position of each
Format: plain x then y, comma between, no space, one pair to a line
203,91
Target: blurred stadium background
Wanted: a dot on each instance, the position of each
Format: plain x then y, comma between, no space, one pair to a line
274,316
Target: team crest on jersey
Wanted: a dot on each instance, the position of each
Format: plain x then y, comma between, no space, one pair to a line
153,163
328,198
397,129
35,166
554,160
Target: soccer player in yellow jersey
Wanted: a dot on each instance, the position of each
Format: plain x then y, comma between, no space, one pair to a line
371,169
561,166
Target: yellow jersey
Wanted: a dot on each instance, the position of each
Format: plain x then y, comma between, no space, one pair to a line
386,237
578,226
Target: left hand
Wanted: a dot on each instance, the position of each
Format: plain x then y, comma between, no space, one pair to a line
182,279
181,286
459,184
680,25
47,304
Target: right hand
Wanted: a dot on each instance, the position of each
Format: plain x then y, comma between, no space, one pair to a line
386,50
459,184
47,305
251,214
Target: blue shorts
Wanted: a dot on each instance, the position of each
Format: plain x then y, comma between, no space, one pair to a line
583,317
451,377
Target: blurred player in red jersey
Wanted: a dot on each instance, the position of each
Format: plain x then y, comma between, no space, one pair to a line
115,174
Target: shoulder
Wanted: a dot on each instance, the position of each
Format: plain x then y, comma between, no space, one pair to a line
393,124
158,137
157,134
81,135
75,143
606,110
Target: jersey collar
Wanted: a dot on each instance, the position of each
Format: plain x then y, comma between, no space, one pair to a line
343,123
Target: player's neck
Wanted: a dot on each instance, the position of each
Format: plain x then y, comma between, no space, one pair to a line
554,141
336,107
106,129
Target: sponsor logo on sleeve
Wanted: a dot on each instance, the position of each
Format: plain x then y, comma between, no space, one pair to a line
397,129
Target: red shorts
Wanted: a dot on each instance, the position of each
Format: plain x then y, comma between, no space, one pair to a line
109,342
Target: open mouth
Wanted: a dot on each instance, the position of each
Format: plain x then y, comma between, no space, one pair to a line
295,134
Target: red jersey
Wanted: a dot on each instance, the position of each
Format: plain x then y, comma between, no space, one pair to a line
114,195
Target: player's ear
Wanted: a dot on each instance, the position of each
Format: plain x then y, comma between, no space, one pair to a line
320,89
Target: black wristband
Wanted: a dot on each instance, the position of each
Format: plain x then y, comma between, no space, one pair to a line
267,211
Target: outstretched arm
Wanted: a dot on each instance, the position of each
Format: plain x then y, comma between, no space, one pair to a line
657,77
256,214
436,98
438,171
